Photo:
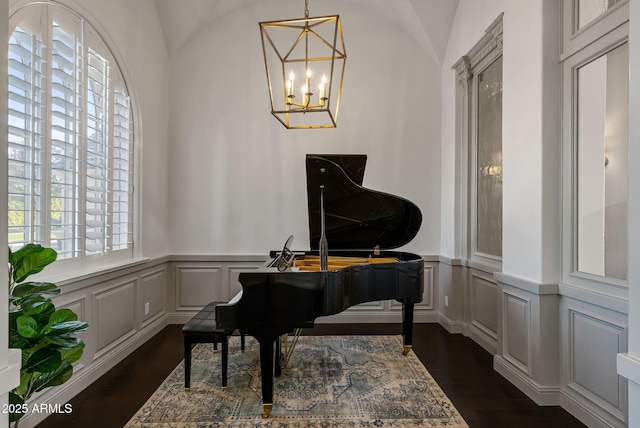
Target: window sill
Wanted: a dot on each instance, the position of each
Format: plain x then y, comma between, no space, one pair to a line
84,275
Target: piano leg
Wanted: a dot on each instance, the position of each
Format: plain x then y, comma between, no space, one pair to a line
278,367
407,326
267,345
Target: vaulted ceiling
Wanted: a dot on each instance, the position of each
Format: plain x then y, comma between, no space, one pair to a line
426,21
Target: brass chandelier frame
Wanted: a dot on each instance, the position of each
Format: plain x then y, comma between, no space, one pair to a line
294,111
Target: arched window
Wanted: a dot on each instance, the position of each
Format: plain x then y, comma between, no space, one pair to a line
70,139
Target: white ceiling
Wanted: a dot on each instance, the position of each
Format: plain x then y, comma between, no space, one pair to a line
427,21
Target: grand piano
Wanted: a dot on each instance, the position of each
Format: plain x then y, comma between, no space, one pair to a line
351,231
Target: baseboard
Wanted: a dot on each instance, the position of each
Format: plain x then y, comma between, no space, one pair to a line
541,395
87,375
585,413
453,327
489,343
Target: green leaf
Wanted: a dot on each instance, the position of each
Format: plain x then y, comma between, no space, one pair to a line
38,305
28,327
65,328
16,341
23,388
44,360
73,354
27,289
54,378
64,342
15,402
62,315
30,259
13,317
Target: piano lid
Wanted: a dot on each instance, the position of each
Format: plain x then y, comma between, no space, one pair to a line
355,217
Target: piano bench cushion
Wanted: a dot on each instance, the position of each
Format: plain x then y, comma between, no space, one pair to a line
204,322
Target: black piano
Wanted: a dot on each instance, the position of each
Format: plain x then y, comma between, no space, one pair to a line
358,226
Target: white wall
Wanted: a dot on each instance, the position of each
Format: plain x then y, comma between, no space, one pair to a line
237,176
530,209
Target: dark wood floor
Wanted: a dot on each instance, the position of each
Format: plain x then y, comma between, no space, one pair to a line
461,367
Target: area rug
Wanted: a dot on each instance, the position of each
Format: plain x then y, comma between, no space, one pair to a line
330,381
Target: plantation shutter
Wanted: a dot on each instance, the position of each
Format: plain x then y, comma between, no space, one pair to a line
70,138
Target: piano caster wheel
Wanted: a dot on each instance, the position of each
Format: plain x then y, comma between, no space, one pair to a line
187,390
266,410
407,349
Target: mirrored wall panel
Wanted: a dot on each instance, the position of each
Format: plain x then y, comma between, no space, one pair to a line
489,160
588,10
601,170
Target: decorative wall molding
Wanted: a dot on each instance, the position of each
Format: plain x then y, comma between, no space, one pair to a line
528,338
594,338
464,73
206,279
629,367
614,303
526,285
198,284
516,341
541,395
153,290
110,303
112,329
518,359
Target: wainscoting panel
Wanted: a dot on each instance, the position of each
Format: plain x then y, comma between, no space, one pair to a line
198,285
114,315
198,280
154,291
528,341
484,300
78,306
233,285
516,343
112,302
482,309
594,337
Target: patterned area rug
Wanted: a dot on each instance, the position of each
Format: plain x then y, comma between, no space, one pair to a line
330,381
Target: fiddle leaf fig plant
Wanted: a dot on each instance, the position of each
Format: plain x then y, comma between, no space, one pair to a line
47,336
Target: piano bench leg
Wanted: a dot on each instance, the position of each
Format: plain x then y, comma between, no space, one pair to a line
209,337
225,360
187,364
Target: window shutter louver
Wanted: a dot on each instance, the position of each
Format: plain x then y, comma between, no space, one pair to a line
25,138
63,186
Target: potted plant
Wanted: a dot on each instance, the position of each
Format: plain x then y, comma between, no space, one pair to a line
46,335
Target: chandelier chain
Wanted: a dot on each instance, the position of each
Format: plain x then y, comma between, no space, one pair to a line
306,8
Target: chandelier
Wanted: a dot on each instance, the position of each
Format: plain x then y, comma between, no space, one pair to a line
304,59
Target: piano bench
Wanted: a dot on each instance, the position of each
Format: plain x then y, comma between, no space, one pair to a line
202,328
